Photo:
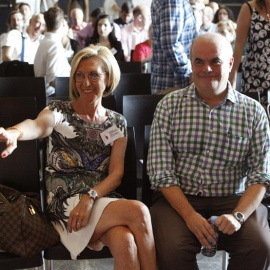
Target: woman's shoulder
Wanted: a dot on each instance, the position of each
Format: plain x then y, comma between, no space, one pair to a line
59,105
115,116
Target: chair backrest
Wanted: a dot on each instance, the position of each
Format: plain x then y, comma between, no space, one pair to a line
238,81
20,170
16,68
138,111
24,87
147,193
132,84
254,95
61,86
130,67
128,187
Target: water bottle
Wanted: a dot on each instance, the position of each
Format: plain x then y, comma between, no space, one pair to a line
212,251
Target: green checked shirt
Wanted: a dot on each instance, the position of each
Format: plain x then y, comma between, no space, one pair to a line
209,152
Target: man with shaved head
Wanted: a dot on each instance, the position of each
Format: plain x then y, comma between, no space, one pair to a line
209,155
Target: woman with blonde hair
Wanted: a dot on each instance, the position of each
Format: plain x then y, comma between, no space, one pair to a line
85,163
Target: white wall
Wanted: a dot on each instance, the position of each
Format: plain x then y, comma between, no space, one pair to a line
142,2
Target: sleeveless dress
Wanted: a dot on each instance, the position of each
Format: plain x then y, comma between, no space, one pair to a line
77,159
256,63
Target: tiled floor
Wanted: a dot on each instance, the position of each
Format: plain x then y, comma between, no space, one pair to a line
214,263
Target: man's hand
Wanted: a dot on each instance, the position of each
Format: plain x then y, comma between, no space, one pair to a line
79,216
201,228
227,224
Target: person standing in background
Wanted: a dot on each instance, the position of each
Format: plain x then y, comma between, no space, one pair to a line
253,31
173,29
51,60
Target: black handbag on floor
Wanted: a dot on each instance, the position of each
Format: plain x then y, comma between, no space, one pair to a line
25,230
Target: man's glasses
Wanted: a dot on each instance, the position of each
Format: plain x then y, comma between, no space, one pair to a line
92,76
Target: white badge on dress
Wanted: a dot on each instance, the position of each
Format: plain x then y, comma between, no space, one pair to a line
111,134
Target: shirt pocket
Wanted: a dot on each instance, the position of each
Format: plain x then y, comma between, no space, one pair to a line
233,149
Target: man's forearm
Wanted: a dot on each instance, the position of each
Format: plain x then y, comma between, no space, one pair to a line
7,53
251,199
177,199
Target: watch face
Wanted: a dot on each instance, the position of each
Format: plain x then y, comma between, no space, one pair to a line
92,193
240,217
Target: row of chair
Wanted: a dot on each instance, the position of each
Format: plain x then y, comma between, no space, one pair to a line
137,109
129,84
18,68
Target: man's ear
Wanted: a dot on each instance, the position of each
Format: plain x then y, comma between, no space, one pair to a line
231,63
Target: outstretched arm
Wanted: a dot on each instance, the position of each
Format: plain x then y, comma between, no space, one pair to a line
29,129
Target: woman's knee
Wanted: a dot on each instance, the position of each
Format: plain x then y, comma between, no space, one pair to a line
138,213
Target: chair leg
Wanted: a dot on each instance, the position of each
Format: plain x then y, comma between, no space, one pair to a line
48,264
225,258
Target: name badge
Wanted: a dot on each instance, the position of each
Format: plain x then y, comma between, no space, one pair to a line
111,134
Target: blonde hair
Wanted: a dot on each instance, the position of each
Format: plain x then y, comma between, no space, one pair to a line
110,66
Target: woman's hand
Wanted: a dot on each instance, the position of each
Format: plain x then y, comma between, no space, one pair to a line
10,137
79,216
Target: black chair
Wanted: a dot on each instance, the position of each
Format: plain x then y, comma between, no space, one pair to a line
147,193
16,68
24,87
20,170
132,84
61,86
129,84
130,67
139,111
254,95
128,189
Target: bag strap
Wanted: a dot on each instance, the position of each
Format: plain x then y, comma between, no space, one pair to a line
250,8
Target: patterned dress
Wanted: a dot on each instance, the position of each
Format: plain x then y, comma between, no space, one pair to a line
77,159
256,64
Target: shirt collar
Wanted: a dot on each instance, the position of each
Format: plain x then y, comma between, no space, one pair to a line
230,98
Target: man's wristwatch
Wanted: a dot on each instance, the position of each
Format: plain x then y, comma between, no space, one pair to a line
93,194
239,217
